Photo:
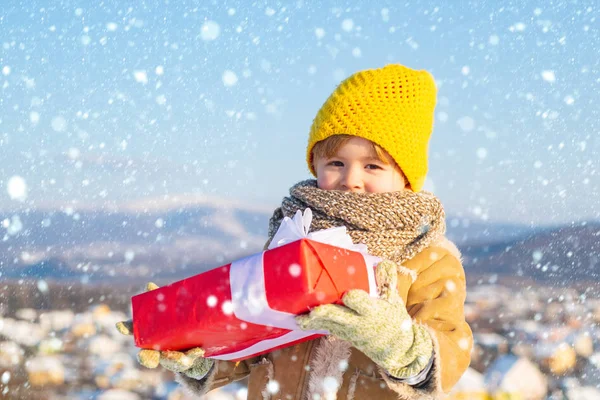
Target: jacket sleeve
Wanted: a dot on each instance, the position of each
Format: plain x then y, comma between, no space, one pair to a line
433,286
221,374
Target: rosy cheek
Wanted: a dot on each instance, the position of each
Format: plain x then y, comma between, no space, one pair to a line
322,183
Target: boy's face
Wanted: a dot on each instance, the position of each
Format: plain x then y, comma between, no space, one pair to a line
356,168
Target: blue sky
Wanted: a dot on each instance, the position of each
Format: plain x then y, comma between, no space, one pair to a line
117,101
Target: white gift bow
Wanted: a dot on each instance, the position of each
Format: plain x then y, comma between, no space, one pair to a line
298,228
247,281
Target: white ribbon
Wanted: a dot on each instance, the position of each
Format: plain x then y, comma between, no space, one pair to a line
247,280
267,344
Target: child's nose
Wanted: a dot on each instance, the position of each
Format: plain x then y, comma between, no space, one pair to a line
352,180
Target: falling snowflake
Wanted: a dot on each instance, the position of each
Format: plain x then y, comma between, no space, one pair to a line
17,188
227,307
211,301
295,270
210,31
548,76
59,123
273,387
42,286
481,153
330,384
229,78
140,76
5,377
129,256
347,25
467,124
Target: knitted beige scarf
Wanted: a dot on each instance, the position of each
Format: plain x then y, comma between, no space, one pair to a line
394,225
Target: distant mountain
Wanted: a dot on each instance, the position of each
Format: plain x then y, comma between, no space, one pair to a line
170,240
464,231
131,243
562,255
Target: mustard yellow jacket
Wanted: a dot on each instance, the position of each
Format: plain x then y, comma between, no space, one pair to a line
432,285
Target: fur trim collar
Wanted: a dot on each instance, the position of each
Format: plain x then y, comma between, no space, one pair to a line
327,368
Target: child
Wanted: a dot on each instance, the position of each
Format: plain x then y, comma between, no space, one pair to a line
368,150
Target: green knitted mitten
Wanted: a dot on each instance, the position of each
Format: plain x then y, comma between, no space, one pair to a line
191,363
379,327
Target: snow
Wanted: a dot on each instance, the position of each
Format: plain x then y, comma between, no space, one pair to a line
518,27
347,24
42,286
59,123
227,307
229,78
330,384
17,188
273,387
210,31
406,325
295,270
129,256
467,124
73,153
548,76
211,301
140,76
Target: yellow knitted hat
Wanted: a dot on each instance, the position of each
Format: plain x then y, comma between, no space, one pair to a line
392,107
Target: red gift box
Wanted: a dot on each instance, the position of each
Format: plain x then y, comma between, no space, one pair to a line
246,308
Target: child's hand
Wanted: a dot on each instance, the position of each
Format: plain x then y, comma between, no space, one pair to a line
191,363
379,327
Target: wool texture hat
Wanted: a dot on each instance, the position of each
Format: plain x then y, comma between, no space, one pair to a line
391,106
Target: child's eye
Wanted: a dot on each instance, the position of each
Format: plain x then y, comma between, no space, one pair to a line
336,163
373,166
